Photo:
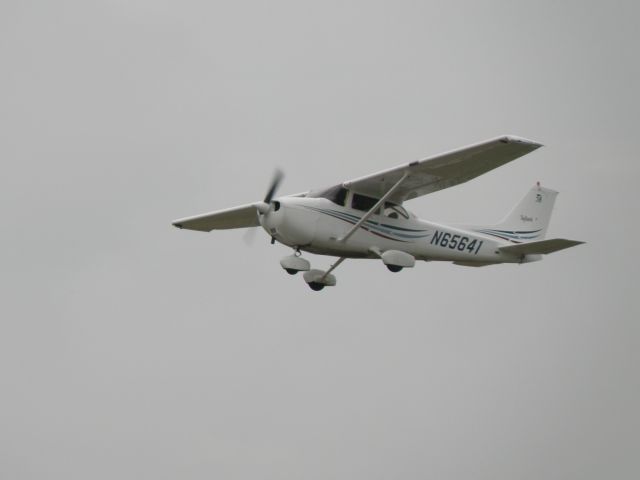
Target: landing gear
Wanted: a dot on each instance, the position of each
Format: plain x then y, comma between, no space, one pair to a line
294,264
318,279
396,260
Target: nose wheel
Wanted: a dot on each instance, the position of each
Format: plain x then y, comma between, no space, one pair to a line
294,264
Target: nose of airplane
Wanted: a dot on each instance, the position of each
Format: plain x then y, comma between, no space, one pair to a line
272,219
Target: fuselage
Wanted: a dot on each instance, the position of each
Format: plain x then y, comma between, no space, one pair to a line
317,225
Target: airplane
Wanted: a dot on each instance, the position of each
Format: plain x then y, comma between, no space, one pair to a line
366,217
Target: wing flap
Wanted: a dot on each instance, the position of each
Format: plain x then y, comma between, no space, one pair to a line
541,247
242,216
445,170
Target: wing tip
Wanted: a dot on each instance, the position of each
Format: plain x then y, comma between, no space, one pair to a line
520,140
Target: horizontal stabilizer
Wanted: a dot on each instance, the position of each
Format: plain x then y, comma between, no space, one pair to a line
237,217
541,247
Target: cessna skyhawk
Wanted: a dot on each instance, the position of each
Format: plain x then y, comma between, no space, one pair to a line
366,217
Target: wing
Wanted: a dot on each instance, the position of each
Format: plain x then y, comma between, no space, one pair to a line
443,171
237,217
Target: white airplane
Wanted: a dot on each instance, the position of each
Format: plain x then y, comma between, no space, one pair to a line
365,217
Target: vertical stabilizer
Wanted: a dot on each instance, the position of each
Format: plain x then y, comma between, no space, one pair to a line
529,219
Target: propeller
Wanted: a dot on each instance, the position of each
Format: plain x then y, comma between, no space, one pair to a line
264,206
278,175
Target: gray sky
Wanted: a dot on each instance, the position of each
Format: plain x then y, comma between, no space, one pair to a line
130,349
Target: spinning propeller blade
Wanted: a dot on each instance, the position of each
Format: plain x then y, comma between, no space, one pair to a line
249,236
275,183
263,208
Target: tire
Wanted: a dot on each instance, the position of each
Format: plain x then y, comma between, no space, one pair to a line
316,286
394,268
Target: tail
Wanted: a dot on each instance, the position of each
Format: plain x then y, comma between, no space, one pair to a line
529,219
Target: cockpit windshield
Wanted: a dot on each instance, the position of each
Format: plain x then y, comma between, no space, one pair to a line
336,194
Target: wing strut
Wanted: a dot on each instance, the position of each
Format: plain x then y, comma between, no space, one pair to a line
374,208
332,268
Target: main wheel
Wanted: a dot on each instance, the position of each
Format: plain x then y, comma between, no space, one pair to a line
394,268
317,286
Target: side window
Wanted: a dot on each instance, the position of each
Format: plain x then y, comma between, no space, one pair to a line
360,202
395,211
402,211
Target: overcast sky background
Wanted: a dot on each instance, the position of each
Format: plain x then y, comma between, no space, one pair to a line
130,349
